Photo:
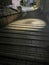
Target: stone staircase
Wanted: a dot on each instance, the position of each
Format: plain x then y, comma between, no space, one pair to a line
23,44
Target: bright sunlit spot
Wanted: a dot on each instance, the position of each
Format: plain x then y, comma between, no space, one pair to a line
28,24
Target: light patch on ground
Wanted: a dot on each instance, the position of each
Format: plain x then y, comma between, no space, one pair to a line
28,24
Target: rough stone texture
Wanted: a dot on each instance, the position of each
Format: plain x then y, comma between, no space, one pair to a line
8,15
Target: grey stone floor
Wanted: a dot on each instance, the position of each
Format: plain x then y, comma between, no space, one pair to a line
28,44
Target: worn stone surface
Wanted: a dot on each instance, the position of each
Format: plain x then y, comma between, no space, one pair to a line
30,45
